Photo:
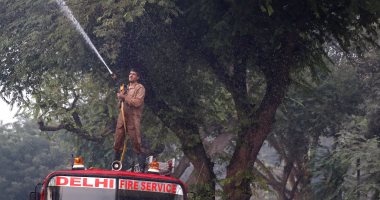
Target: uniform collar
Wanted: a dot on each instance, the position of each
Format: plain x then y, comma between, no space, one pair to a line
132,85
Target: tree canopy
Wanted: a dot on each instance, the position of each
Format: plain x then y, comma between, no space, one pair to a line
26,158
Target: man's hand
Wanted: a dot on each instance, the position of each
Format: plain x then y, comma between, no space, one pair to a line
114,77
120,96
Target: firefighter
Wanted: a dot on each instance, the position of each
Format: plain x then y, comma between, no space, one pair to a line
133,104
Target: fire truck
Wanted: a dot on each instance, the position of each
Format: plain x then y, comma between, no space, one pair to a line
102,184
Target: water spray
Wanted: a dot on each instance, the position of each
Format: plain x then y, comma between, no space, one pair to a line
67,12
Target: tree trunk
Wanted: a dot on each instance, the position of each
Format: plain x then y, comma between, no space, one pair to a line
187,131
184,163
249,143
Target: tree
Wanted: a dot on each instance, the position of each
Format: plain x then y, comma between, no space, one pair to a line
26,158
185,44
351,165
307,114
287,37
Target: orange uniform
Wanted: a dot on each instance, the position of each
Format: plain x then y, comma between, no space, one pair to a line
133,108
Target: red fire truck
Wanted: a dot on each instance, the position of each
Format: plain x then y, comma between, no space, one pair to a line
102,184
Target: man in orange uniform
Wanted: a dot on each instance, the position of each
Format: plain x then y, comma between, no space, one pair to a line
133,103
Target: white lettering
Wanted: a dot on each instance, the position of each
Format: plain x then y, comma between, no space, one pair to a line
89,182
149,186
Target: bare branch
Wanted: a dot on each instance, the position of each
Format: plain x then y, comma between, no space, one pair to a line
286,173
267,171
275,185
68,127
73,104
76,118
276,145
295,186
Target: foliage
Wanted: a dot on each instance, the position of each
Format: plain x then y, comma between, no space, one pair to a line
360,154
201,191
356,143
306,114
329,175
26,158
63,84
340,107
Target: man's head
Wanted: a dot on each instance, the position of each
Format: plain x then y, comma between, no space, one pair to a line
134,76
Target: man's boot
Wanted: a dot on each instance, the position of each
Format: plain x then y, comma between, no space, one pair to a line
141,159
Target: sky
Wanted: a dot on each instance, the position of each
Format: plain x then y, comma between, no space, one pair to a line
6,114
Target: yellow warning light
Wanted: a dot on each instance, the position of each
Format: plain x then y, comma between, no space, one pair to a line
78,163
154,167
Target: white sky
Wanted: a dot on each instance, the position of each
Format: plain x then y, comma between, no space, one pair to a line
6,115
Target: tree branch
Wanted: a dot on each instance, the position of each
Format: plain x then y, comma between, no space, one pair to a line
276,145
267,171
286,173
276,185
73,104
295,186
81,133
76,118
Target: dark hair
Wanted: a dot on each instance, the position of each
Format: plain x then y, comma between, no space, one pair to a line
135,70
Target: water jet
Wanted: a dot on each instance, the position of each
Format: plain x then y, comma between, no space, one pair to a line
67,12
